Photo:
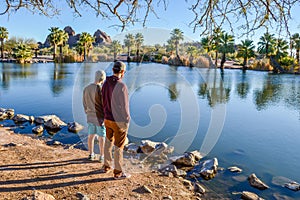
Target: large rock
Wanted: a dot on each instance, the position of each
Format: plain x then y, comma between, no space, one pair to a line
38,129
208,168
256,182
38,195
51,122
20,118
250,196
235,169
292,186
6,113
101,38
172,169
154,148
199,188
187,159
3,115
74,127
132,148
43,119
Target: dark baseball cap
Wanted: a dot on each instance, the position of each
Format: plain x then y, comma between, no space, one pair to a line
119,66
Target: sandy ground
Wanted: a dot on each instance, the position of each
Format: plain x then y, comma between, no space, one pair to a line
28,165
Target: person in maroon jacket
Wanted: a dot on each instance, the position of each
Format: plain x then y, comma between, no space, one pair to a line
116,119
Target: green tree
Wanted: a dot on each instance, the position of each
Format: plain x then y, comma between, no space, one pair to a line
116,47
3,36
245,51
86,41
225,46
54,39
266,44
62,40
216,37
23,52
139,39
281,48
206,44
176,37
129,42
295,43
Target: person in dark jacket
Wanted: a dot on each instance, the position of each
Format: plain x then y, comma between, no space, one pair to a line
116,119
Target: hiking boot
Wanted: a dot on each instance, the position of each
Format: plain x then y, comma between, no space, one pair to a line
121,176
92,157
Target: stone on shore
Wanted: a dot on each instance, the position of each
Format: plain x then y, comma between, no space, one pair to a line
38,195
235,169
256,182
6,113
199,188
74,127
3,115
209,168
250,196
132,148
38,129
54,123
172,169
20,118
292,186
188,159
153,148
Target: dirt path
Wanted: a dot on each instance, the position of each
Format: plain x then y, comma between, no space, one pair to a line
29,164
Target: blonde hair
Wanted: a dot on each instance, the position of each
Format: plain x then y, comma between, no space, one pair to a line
100,76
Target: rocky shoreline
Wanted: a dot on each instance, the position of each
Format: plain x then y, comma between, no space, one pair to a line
191,169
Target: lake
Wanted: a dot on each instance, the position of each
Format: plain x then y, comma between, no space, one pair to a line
250,119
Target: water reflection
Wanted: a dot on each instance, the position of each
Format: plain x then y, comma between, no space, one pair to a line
243,87
215,89
58,79
270,92
173,92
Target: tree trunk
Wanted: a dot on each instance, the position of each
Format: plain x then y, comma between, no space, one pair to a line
216,60
244,64
2,49
223,60
84,53
177,51
115,56
54,52
60,53
128,56
298,55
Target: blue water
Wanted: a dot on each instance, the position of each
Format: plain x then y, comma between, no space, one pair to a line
251,120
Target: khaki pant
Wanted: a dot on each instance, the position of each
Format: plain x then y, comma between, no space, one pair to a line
116,134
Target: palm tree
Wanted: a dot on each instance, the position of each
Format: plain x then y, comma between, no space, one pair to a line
295,40
3,36
139,39
206,44
281,48
129,42
116,47
63,38
176,37
226,45
22,52
86,40
170,46
215,42
246,50
266,44
54,39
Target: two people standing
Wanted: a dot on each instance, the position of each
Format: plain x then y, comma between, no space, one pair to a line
116,116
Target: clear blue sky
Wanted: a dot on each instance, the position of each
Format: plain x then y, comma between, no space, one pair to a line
25,24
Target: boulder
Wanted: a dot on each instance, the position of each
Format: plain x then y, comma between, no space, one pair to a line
3,115
43,119
199,188
10,112
187,159
256,182
235,169
172,169
153,148
74,127
292,186
20,118
132,148
54,123
250,196
208,168
38,129
38,195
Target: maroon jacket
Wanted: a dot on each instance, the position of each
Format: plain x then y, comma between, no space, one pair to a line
115,100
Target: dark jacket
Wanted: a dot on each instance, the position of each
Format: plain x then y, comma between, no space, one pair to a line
115,100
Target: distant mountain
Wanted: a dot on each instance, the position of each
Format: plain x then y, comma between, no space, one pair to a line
101,38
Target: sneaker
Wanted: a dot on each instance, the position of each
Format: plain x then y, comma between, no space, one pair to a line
121,176
92,157
101,159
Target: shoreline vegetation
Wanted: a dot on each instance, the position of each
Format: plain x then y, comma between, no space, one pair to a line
217,50
65,173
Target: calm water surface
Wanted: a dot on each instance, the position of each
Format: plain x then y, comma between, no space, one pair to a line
250,120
